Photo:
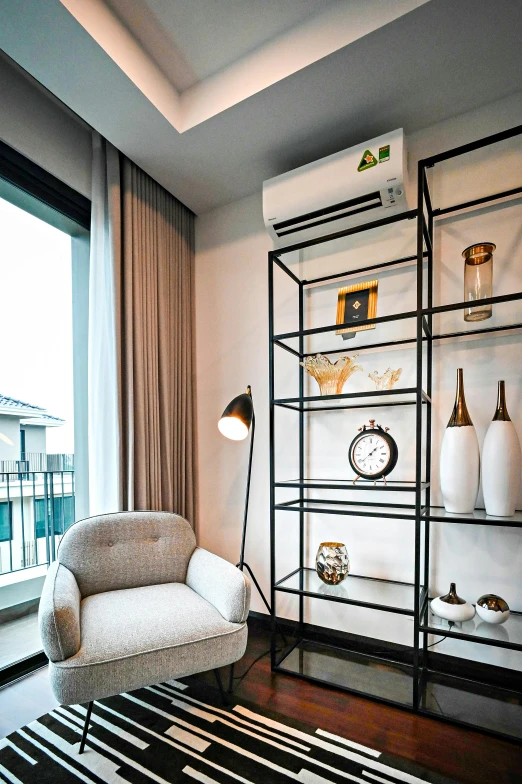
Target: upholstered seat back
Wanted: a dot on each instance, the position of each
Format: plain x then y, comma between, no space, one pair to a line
127,550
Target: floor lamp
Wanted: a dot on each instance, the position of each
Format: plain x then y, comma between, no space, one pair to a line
237,420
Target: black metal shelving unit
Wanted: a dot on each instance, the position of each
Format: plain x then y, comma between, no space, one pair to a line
449,688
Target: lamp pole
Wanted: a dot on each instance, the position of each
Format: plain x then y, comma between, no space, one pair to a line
240,411
242,563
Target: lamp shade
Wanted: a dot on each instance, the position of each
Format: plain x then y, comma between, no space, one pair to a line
237,417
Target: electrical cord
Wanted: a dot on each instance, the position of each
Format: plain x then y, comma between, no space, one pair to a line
240,678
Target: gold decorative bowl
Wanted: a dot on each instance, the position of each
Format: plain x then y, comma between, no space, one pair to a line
331,376
387,380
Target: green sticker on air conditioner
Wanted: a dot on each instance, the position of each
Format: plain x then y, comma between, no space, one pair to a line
367,161
384,153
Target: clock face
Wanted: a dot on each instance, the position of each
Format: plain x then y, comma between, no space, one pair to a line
370,454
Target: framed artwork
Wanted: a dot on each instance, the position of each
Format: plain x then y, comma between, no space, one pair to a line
356,303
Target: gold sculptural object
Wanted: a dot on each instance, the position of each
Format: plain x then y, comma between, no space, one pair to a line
387,380
331,376
332,563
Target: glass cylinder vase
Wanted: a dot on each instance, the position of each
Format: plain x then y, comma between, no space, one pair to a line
478,280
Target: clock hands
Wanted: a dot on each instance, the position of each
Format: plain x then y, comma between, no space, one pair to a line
362,453
369,453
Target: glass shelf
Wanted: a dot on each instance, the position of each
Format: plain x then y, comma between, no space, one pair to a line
478,331
370,399
369,675
347,484
498,300
404,341
505,635
397,511
475,704
478,516
369,592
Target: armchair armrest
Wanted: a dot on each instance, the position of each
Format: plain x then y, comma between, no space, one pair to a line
221,583
59,613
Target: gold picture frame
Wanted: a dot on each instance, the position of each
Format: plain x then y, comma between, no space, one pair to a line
348,295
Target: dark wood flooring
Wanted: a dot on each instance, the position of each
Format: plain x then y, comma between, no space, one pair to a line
467,756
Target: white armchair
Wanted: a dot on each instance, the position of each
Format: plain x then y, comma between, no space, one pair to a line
131,601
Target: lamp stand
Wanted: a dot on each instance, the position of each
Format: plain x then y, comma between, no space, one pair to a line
242,563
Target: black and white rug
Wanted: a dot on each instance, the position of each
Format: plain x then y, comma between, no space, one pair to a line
176,732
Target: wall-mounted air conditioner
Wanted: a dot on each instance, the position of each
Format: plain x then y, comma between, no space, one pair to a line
358,185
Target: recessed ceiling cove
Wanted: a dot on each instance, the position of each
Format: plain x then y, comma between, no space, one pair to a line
211,97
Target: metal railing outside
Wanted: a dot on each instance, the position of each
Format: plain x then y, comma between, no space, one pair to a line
37,505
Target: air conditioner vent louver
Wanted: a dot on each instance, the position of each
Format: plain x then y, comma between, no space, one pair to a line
329,214
354,186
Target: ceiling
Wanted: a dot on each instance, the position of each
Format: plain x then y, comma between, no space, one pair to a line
211,97
193,40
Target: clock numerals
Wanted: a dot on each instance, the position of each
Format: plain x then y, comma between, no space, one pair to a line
371,454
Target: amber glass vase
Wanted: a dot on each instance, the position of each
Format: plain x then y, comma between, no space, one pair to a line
478,280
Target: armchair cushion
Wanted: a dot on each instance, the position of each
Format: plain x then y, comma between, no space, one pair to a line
59,613
220,583
127,550
134,637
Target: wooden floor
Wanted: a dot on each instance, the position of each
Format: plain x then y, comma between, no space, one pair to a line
467,756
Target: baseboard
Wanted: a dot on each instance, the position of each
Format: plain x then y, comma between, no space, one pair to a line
440,662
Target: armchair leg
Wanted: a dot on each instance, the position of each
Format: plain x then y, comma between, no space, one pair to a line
231,679
224,698
86,727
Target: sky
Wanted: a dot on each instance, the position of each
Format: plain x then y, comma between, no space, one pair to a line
36,363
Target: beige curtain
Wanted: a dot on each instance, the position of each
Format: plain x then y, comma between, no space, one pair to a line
154,308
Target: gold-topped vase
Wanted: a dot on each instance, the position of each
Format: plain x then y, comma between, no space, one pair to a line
501,461
331,376
459,457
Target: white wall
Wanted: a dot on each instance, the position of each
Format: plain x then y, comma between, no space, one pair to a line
35,438
232,351
40,127
10,443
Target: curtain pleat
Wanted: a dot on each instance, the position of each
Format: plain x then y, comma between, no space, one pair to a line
155,324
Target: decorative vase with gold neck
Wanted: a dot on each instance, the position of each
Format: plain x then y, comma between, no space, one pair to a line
501,462
459,457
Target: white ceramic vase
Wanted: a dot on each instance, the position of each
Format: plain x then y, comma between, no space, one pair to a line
459,458
501,462
451,607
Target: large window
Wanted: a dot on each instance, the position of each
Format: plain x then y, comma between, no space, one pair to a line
44,284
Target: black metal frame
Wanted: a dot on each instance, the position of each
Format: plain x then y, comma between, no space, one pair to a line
420,511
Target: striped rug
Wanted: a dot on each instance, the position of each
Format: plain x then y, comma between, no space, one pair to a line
179,732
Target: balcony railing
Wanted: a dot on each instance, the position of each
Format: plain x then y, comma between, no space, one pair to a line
37,505
38,461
